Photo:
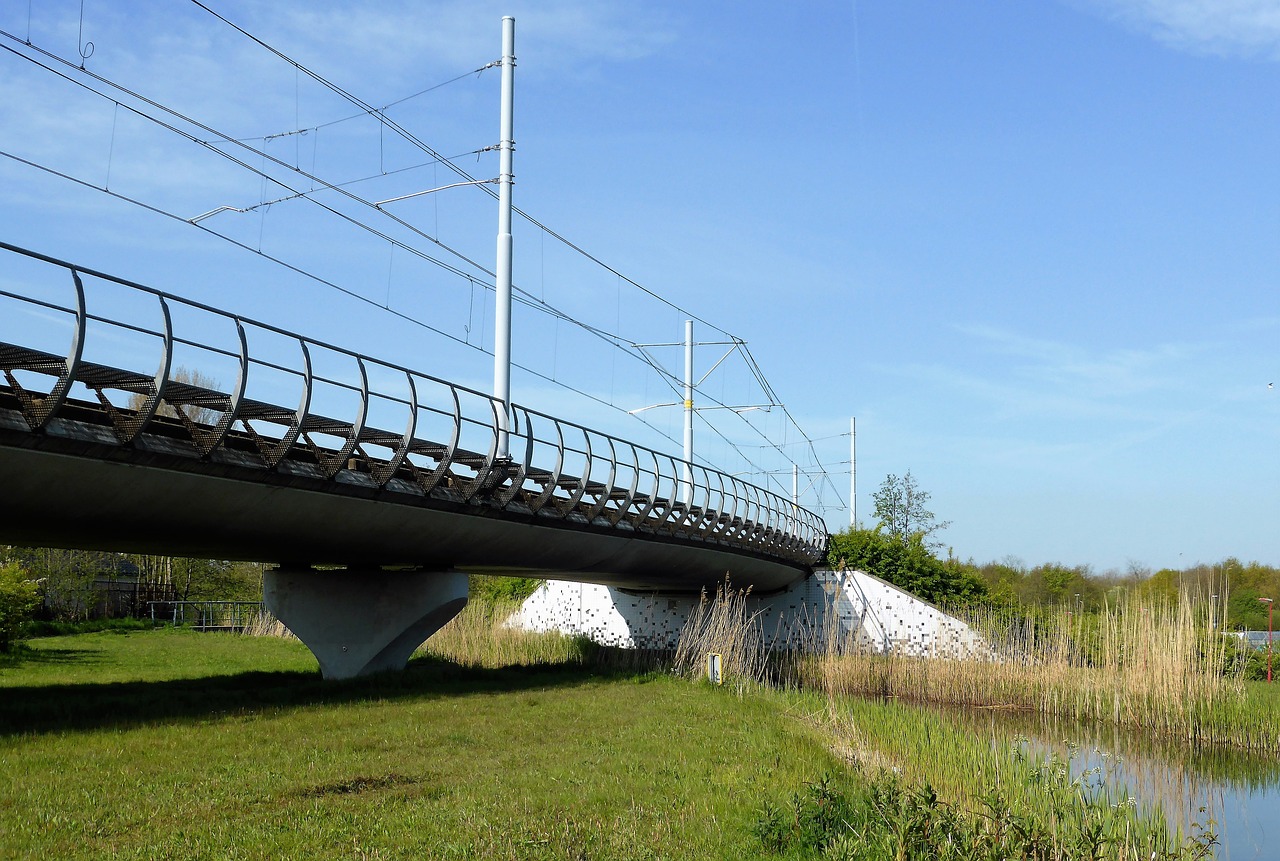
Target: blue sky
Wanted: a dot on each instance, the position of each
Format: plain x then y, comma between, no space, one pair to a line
1031,246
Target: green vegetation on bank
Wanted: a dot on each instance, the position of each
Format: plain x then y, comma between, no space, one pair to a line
170,743
906,563
19,596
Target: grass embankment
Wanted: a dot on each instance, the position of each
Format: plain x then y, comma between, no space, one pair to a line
179,745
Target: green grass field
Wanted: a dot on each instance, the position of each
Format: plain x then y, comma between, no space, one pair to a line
172,744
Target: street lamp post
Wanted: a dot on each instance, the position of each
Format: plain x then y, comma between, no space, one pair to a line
1270,605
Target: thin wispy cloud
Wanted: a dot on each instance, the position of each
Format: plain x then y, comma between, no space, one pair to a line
191,61
410,38
1249,28
1109,373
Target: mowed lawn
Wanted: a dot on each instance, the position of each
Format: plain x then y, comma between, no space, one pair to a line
172,744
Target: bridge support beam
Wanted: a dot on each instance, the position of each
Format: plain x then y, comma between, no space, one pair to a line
358,621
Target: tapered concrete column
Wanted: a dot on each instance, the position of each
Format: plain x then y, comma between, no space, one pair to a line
358,621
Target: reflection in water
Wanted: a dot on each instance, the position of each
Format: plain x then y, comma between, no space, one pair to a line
1233,792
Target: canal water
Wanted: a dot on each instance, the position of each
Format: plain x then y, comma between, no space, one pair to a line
1233,793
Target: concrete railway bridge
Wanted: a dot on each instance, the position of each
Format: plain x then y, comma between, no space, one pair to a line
374,489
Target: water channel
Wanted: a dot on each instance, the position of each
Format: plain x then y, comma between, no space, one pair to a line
1235,793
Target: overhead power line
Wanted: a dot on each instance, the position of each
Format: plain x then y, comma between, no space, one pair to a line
476,269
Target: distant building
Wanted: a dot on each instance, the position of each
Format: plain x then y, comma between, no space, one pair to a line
1253,639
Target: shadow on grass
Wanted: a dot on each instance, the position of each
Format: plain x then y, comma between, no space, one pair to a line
22,656
56,708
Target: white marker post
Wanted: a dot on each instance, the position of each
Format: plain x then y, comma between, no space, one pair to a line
502,314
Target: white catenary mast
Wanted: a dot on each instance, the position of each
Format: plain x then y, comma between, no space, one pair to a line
502,314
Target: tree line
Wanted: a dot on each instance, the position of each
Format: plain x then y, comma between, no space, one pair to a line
902,548
75,585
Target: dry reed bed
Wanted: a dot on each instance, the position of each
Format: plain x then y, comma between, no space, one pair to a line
1157,667
479,637
1163,668
265,624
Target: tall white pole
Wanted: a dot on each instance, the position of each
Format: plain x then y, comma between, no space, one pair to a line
687,490
502,315
795,484
853,471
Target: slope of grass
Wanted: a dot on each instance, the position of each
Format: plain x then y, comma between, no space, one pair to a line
179,745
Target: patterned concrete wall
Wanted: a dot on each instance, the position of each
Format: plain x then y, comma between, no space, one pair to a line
851,604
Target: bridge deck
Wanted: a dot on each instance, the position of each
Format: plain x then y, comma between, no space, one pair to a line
95,455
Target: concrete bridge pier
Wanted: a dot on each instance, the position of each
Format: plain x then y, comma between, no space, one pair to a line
358,621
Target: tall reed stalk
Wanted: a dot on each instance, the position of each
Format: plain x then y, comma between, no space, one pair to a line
724,625
265,624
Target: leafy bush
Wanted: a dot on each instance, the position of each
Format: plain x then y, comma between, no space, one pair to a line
812,822
1052,816
906,564
19,598
494,590
1249,663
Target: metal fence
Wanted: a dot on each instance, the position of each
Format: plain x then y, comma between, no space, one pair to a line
207,615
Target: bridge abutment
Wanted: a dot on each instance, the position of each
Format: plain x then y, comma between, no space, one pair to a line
358,621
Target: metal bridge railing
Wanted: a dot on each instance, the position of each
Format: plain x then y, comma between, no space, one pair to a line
405,430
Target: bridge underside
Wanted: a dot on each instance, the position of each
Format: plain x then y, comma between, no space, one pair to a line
76,488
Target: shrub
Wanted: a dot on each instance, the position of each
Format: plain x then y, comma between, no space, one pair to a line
495,590
906,564
19,598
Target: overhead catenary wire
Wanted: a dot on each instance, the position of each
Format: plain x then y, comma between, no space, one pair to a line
361,114
525,297
320,280
408,136
240,162
614,338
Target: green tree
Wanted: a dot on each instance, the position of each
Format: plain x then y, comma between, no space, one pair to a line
68,577
900,509
1245,612
19,597
908,565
